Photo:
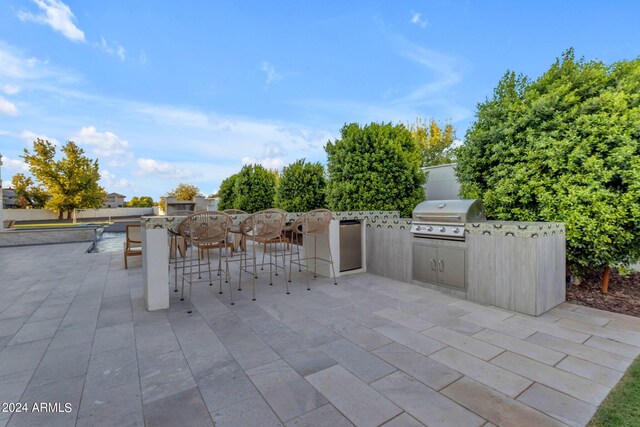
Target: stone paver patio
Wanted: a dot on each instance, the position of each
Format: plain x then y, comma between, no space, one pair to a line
369,352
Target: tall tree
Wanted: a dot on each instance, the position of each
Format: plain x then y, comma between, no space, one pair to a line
140,202
435,142
255,188
28,193
72,181
184,192
374,167
301,187
227,193
181,192
565,147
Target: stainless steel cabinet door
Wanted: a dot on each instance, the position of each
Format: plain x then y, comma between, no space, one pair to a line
451,267
425,259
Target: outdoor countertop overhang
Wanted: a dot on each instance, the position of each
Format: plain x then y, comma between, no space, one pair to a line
391,219
377,217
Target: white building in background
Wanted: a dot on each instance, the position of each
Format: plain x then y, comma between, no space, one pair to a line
9,198
114,200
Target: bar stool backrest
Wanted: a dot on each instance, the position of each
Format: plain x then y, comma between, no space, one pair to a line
266,224
313,223
207,227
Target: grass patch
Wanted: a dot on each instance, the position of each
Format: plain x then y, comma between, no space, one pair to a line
622,405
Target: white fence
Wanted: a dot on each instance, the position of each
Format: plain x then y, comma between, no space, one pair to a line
45,215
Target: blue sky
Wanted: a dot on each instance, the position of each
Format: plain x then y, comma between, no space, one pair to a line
170,92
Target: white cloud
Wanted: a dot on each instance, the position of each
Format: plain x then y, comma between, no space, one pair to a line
143,57
13,165
173,115
29,137
161,169
103,143
270,71
7,107
109,181
31,71
416,18
114,49
58,16
10,89
266,162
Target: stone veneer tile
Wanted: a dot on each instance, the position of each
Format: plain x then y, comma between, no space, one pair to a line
601,357
361,404
560,406
288,394
325,416
493,376
357,360
626,350
523,348
495,407
490,322
600,374
403,420
428,371
180,409
549,328
252,412
408,338
632,338
401,318
424,404
463,342
573,385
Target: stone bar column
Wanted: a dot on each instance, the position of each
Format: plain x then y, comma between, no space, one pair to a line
155,265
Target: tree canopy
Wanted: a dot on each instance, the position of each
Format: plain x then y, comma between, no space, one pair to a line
29,194
255,188
565,147
181,192
374,167
140,202
72,181
435,142
301,187
227,193
184,192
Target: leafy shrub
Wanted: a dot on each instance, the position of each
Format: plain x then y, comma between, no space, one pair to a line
374,167
565,147
301,187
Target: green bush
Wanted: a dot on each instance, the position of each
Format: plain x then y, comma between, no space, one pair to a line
255,189
227,193
564,147
375,167
301,187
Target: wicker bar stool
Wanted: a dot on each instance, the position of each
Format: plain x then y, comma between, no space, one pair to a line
264,227
205,230
177,245
312,224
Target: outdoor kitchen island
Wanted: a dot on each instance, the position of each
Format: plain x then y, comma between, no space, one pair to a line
518,266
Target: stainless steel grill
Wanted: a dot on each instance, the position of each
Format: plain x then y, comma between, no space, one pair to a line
445,219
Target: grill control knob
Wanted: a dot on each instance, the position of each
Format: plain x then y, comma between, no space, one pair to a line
429,228
442,229
456,230
418,228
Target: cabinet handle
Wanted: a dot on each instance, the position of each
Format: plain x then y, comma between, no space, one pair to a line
441,262
433,264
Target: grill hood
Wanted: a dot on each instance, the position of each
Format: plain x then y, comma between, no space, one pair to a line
449,211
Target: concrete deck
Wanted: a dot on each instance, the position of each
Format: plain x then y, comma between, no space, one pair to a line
369,352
